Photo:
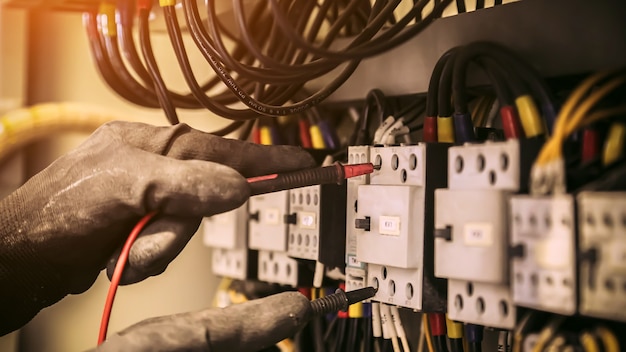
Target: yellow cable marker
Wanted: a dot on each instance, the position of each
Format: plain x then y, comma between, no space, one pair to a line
614,146
316,137
107,11
445,130
164,3
529,116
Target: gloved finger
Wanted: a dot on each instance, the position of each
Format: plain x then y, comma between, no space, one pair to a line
183,142
250,326
187,188
156,246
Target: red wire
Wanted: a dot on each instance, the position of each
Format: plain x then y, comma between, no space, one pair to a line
117,275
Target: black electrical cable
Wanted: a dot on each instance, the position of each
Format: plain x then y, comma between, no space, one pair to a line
433,86
387,39
318,337
460,6
494,58
375,101
352,334
153,69
497,2
480,4
444,95
368,338
439,343
176,39
476,347
245,132
341,332
456,345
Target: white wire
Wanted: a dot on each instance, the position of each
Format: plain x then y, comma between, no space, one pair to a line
396,126
382,128
397,322
318,276
376,324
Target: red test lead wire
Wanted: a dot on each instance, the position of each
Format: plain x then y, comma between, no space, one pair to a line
117,275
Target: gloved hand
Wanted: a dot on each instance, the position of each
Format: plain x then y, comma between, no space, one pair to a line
250,326
60,229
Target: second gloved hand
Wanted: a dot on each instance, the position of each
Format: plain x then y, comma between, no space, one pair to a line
65,224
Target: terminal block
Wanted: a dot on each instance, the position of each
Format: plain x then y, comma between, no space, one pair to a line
279,268
602,254
394,225
267,227
493,165
543,253
356,271
317,228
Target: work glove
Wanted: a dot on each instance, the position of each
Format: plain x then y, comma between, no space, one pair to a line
62,227
250,326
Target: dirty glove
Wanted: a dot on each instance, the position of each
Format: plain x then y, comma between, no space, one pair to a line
250,326
60,229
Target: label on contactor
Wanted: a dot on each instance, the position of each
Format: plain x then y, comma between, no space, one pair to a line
478,234
307,220
271,216
389,225
618,255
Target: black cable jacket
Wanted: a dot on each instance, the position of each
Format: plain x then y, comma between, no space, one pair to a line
352,332
102,62
382,42
330,328
318,334
246,130
125,36
439,343
476,347
276,110
216,47
460,5
368,338
480,4
410,108
433,85
176,39
141,93
470,52
153,69
496,75
456,345
444,95
341,332
497,2
528,73
230,128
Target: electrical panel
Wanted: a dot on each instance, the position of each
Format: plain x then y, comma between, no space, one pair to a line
602,251
394,219
543,253
279,268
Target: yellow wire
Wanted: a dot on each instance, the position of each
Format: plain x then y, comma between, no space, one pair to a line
589,343
572,117
614,145
547,333
609,340
426,332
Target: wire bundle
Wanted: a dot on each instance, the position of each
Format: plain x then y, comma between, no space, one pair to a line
518,87
598,98
280,45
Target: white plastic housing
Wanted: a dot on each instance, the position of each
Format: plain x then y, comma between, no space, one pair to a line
355,270
303,241
397,286
232,263
278,268
492,165
269,231
396,227
227,230
544,278
394,195
481,303
477,250
602,226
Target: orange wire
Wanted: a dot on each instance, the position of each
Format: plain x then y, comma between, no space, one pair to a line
117,275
